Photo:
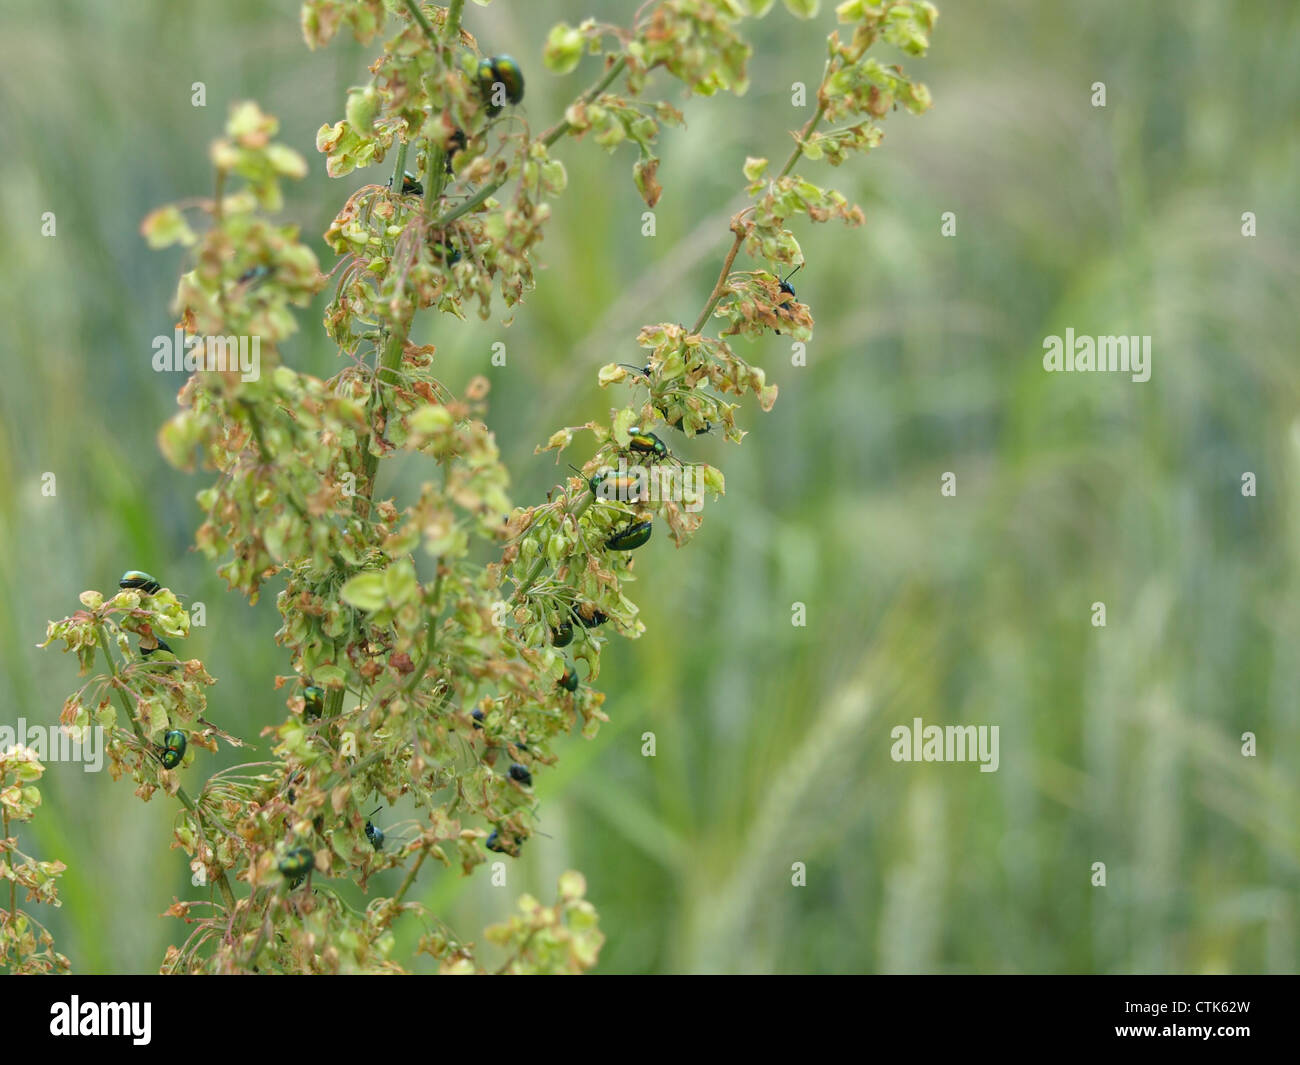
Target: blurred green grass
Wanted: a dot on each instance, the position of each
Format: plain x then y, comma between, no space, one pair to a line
1118,745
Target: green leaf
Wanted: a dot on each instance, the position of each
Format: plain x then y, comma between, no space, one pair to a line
563,49
400,583
365,591
803,8
330,676
165,227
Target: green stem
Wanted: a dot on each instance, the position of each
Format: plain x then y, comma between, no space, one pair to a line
399,170
720,289
811,125
418,15
13,892
391,357
410,877
548,138
531,577
353,770
451,24
222,883
217,195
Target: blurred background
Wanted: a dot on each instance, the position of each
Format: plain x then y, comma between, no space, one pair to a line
1119,745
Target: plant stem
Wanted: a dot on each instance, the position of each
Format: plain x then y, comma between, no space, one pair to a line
365,763
719,289
13,893
518,953
418,15
399,171
451,24
531,577
222,883
548,138
391,357
410,877
809,126
738,227
435,181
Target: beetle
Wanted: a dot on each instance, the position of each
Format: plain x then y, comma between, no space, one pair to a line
373,833
478,717
254,275
569,681
521,775
411,185
137,578
297,864
562,634
788,289
444,251
784,283
630,537
589,615
503,71
646,443
606,483
160,653
313,702
174,744
708,427
455,143
497,845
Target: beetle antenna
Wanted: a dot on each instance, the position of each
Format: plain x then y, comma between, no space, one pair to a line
786,280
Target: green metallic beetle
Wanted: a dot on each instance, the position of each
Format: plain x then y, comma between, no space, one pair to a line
631,536
174,744
708,427
588,615
411,185
646,443
502,71
609,484
254,275
562,634
374,833
297,863
313,700
137,578
496,844
161,653
569,682
455,143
